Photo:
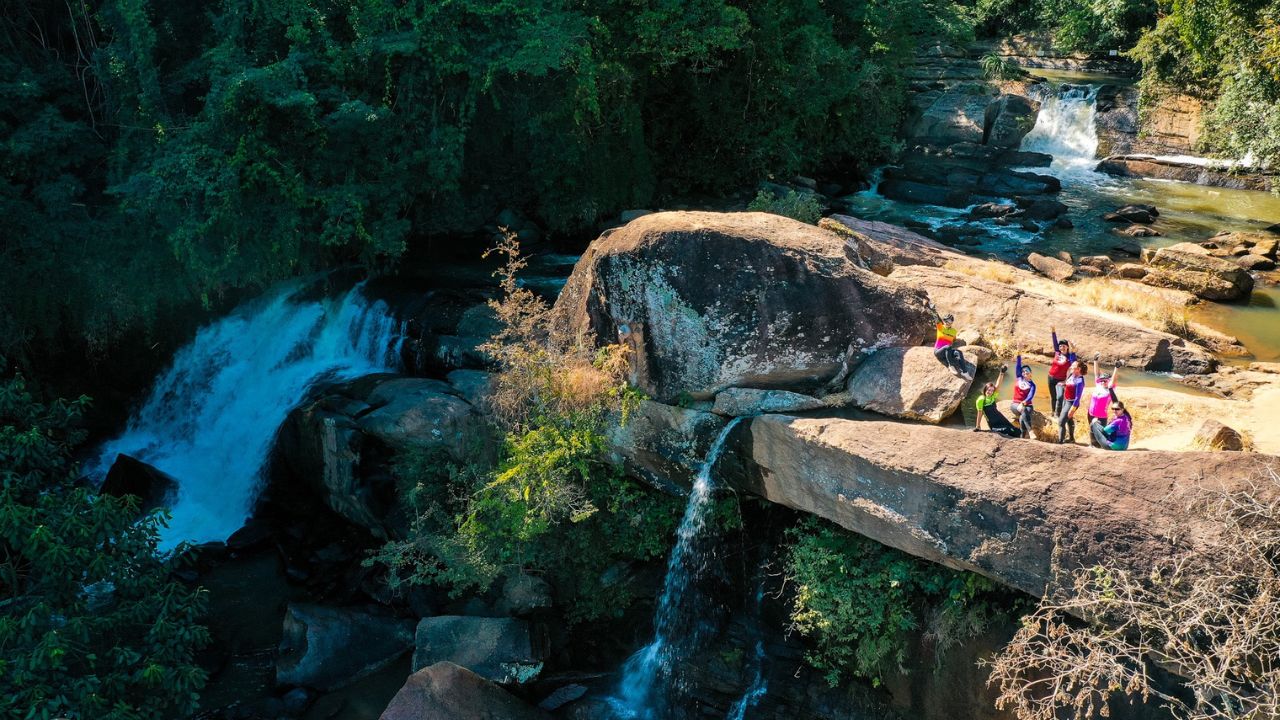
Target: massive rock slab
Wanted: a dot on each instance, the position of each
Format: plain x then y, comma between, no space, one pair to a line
909,383
446,691
709,301
984,503
984,296
1023,319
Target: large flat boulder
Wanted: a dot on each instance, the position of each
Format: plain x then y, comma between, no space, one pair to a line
984,296
445,691
1023,319
709,301
909,383
327,647
1199,171
984,503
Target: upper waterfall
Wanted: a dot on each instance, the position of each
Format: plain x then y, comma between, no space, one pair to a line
1066,126
212,417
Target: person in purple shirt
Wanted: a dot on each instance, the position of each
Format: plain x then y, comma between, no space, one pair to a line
1115,435
1024,393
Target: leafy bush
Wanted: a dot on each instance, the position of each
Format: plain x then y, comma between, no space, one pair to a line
857,600
997,68
555,504
91,626
795,205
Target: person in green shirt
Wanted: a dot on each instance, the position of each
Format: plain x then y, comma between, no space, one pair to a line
986,406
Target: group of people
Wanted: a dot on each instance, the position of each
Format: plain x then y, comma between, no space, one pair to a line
1110,424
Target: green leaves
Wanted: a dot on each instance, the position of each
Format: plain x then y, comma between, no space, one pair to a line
856,600
91,626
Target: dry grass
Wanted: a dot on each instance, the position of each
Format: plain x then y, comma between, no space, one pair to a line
1120,297
984,270
539,374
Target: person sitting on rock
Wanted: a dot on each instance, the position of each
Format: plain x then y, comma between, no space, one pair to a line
1104,392
1072,389
986,405
1024,394
944,347
1062,359
1113,435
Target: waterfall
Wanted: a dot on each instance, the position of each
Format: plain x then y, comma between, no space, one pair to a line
646,676
1066,126
212,417
759,686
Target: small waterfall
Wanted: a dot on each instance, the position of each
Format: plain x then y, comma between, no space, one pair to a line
647,676
759,686
1066,126
212,417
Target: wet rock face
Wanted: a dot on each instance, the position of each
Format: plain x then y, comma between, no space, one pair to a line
338,444
327,648
130,476
497,649
708,301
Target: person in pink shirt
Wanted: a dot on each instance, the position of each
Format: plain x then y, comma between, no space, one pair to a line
1101,396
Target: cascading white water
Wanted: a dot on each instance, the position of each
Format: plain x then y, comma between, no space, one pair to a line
212,417
645,673
1066,126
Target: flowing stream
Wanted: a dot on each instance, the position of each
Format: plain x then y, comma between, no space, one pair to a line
1066,128
652,672
212,417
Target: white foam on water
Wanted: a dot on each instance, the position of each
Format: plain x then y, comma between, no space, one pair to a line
212,417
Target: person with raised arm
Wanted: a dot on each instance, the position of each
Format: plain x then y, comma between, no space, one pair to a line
1072,389
1024,394
944,346
1063,356
986,405
1101,396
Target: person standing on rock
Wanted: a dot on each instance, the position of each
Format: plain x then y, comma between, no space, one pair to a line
1024,394
944,347
1062,359
1072,389
986,405
1104,392
1115,434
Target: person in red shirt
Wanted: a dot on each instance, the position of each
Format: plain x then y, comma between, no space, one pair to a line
1063,356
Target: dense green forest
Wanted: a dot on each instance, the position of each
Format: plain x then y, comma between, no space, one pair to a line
160,156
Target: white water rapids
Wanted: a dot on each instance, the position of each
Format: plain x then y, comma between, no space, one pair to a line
1066,127
212,417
